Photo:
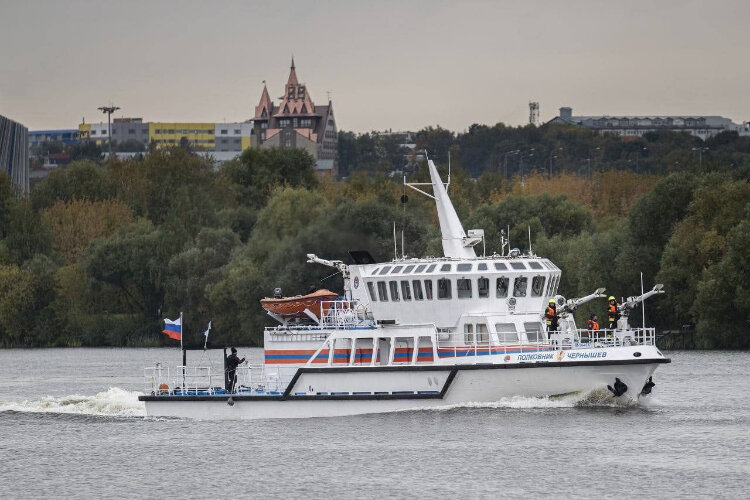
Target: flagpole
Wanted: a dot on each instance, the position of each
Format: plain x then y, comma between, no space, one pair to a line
643,305
184,352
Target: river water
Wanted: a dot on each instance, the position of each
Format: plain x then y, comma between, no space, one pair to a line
71,426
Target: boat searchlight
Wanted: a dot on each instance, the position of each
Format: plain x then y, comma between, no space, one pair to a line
599,291
658,287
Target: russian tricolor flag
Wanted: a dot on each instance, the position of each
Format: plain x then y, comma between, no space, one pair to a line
173,329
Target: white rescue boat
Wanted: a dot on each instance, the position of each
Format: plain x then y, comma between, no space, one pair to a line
422,333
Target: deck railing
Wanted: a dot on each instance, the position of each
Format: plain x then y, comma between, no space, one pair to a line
344,314
156,379
485,343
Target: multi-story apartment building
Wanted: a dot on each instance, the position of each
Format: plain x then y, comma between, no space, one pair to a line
14,152
631,127
297,123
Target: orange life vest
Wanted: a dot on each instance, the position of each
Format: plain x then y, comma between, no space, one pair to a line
612,312
550,315
593,326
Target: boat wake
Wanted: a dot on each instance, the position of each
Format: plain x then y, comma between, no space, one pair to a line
115,402
591,399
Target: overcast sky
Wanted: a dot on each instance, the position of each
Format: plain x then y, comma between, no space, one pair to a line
400,65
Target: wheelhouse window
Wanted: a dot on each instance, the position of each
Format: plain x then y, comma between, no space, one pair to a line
506,332
430,268
519,286
537,286
483,287
371,291
444,288
428,293
553,282
500,266
482,333
468,333
382,292
445,268
463,288
417,290
385,270
501,287
534,332
393,285
408,269
419,268
535,265
517,265
463,267
396,269
405,290
482,267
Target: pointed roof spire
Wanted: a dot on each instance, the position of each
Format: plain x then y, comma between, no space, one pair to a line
265,102
292,75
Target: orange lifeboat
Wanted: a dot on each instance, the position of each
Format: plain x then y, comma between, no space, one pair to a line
294,307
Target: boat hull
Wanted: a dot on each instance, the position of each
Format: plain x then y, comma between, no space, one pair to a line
457,385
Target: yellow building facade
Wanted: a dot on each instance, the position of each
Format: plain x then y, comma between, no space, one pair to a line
200,135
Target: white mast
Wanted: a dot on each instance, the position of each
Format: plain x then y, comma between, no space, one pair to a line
455,242
453,233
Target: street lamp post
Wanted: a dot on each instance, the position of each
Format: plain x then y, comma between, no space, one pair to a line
700,156
108,110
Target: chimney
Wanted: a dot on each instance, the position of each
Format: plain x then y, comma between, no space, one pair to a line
566,113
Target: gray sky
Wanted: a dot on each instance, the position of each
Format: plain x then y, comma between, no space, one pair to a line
400,64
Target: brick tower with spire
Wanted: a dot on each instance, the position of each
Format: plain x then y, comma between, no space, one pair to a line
297,123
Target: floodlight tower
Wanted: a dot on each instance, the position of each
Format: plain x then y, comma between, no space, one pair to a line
108,110
534,113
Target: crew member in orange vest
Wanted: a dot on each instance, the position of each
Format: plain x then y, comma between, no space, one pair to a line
550,316
612,314
593,324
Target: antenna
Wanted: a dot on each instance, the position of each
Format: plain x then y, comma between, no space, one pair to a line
643,305
395,248
403,255
533,113
530,252
508,239
449,172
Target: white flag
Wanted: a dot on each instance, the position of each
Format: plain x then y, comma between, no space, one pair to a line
205,334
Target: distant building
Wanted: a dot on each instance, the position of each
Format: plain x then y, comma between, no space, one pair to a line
199,135
232,136
65,136
297,123
14,152
126,130
203,136
631,127
96,132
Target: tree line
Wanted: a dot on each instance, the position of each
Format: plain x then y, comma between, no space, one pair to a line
552,148
99,254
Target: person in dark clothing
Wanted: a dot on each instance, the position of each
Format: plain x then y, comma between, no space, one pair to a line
551,317
233,361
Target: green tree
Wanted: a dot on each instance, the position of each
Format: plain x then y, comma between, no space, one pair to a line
258,172
134,260
79,181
